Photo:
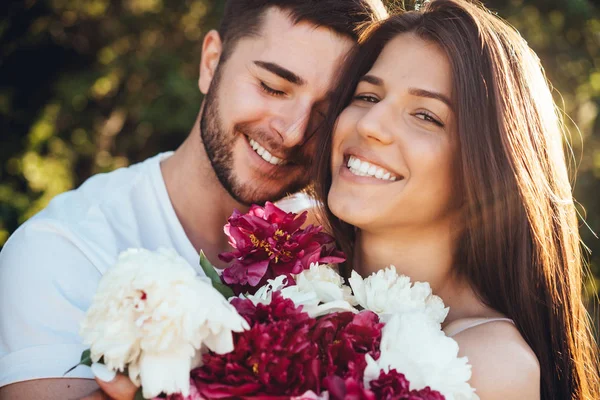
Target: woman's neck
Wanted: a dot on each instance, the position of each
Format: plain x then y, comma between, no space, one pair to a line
424,255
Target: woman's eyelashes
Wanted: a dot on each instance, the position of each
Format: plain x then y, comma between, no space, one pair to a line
425,116
269,90
369,98
428,117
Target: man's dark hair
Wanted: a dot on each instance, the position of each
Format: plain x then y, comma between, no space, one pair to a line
243,18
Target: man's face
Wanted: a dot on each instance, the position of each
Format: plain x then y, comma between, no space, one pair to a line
264,105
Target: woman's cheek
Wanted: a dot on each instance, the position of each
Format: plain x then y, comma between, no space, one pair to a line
346,124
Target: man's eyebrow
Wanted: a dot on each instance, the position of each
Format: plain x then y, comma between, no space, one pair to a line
373,80
281,72
431,95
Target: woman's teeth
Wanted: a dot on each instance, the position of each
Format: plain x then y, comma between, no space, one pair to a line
363,168
261,151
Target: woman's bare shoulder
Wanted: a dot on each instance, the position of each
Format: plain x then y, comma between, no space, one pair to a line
504,366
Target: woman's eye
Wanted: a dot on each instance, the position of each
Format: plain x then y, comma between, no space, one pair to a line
367,98
429,118
271,91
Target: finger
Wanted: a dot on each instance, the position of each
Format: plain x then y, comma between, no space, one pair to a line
97,395
120,388
117,387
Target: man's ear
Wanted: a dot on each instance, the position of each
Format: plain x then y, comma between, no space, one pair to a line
211,53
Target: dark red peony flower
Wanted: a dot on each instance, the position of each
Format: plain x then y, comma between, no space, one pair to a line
275,357
269,242
424,394
348,389
390,385
394,386
344,339
194,394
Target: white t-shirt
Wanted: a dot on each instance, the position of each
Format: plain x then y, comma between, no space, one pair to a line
50,267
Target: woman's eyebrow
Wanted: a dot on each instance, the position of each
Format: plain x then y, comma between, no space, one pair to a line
431,95
373,80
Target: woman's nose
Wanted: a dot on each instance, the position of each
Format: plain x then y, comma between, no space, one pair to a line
373,124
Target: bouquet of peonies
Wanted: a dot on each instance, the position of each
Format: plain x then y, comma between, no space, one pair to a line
279,323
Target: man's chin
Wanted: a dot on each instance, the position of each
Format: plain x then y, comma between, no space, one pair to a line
261,198
263,193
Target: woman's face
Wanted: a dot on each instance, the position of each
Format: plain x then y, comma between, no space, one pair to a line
393,147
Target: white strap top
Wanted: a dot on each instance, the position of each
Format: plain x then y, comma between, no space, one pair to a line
473,324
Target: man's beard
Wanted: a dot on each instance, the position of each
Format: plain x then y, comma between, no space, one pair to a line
219,145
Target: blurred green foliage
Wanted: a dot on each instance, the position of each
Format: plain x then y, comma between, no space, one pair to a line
90,86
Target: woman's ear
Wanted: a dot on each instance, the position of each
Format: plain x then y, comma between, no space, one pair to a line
212,48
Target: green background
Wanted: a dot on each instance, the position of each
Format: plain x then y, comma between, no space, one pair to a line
90,86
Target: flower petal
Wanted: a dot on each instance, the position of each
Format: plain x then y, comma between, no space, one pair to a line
166,372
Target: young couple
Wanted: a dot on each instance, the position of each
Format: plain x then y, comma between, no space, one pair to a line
434,144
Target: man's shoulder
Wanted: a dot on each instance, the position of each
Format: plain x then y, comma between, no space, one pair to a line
95,219
50,267
103,192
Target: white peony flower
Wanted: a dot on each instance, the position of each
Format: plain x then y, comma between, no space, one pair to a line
265,293
326,283
153,314
417,347
310,395
319,289
387,293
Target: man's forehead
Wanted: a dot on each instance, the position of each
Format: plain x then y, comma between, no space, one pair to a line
313,53
278,29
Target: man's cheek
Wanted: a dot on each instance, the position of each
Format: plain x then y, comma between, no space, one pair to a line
245,104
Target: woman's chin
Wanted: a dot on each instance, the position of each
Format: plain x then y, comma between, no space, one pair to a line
351,210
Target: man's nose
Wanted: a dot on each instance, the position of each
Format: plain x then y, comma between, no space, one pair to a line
291,125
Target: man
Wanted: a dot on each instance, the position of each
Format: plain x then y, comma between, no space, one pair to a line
266,75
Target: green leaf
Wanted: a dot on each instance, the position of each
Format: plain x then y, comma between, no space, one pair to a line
139,395
223,289
86,359
209,269
214,277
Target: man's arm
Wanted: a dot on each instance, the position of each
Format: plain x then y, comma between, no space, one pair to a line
49,389
46,285
119,388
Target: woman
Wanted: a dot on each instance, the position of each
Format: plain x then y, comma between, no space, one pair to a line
446,161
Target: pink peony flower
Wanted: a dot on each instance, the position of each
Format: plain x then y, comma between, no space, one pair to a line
344,339
275,357
268,242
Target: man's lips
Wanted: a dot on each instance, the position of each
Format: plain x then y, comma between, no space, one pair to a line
265,154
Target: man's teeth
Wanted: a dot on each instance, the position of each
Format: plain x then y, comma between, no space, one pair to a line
261,151
364,168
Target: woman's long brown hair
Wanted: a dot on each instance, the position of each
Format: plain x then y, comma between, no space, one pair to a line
520,246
